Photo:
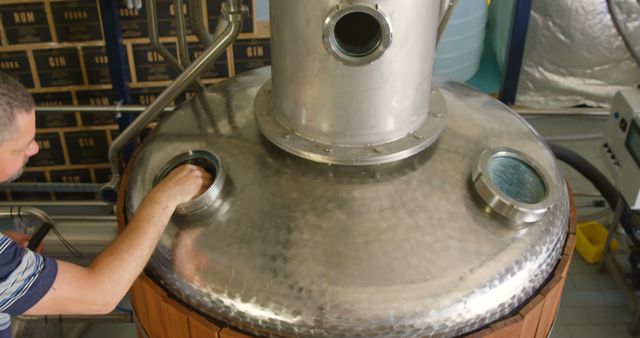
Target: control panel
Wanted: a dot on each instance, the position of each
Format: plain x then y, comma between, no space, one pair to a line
621,148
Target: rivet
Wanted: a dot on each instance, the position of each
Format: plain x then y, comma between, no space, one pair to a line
377,149
328,150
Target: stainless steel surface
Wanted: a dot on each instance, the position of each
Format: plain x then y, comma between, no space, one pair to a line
154,38
349,154
181,33
235,14
299,248
324,100
520,206
197,23
211,163
379,43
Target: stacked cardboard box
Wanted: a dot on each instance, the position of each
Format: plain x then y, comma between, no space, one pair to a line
56,49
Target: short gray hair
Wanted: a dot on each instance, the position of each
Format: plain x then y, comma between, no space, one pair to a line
14,100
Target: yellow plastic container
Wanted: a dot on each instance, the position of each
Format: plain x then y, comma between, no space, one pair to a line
590,239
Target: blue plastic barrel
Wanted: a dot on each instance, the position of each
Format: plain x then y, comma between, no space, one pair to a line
460,49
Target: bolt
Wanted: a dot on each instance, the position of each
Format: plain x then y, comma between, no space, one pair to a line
377,149
436,114
418,136
286,136
328,150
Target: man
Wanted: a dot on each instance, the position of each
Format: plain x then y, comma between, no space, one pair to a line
37,285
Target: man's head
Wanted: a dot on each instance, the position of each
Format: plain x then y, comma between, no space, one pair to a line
17,128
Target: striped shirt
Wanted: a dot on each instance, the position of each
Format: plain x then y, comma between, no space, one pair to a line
25,277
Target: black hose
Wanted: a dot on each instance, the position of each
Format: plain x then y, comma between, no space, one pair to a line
586,169
602,184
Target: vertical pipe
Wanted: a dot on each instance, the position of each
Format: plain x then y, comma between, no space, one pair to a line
152,20
181,32
197,23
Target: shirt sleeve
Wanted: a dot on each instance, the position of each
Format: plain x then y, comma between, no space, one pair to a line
25,277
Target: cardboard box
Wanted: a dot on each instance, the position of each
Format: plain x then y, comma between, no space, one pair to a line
133,22
51,152
96,98
251,54
72,176
76,21
150,65
31,177
55,119
58,67
25,23
17,65
96,62
103,175
87,147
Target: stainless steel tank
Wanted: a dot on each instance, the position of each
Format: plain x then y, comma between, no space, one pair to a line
333,214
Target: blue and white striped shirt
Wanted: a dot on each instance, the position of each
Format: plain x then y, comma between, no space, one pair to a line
25,277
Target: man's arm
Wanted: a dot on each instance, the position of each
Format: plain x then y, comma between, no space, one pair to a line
98,288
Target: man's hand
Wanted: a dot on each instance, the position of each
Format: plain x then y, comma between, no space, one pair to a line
21,239
181,185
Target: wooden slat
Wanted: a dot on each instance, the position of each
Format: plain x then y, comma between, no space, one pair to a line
137,300
563,267
551,293
174,319
485,333
508,328
202,328
531,316
570,246
153,297
228,333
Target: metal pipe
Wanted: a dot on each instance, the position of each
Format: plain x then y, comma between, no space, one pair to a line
79,204
115,109
590,112
152,19
116,317
20,212
183,81
445,19
51,187
181,32
197,23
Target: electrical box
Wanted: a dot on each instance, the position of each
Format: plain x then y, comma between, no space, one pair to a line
622,145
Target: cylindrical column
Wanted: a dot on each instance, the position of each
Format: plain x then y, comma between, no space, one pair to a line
352,72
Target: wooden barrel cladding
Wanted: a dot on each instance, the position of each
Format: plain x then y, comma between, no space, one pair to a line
160,316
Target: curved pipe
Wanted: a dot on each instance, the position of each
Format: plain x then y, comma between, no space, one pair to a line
181,32
602,184
197,23
152,21
20,212
448,12
234,13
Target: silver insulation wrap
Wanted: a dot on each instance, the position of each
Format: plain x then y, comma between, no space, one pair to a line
574,54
